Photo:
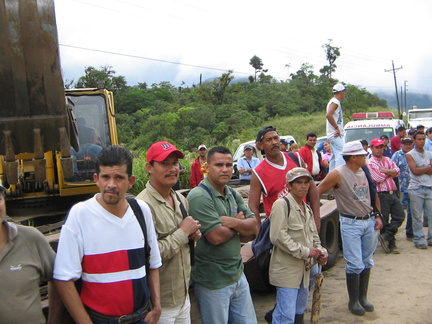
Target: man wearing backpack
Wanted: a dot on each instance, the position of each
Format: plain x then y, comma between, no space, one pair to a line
295,241
221,289
268,179
175,230
356,201
104,243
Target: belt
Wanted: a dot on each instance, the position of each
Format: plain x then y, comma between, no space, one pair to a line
364,217
391,192
124,319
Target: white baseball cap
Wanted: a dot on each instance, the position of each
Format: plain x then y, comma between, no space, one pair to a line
202,146
353,148
338,88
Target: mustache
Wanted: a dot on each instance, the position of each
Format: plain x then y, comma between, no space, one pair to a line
112,191
171,174
275,146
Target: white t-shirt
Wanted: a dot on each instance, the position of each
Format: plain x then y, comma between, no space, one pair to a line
107,253
337,116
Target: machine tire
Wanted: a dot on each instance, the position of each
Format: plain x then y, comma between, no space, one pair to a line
329,236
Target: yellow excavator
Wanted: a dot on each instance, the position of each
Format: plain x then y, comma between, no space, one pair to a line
49,137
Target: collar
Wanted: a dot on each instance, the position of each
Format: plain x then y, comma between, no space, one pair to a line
12,230
156,194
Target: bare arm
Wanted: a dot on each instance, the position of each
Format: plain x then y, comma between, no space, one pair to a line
220,234
55,304
154,286
427,169
255,197
314,201
330,181
72,301
329,116
244,226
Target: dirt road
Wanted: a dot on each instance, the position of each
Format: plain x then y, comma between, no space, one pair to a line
400,288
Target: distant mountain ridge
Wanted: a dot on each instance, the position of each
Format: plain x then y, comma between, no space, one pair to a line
420,100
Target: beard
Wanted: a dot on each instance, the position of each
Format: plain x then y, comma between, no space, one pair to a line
109,199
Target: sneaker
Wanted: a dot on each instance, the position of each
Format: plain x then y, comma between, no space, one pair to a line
421,246
393,248
384,243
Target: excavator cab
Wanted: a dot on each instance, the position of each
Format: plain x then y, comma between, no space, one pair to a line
93,113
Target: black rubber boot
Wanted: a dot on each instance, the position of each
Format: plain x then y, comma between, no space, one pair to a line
353,282
299,319
363,288
269,315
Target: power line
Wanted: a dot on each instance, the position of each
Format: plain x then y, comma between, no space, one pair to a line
151,59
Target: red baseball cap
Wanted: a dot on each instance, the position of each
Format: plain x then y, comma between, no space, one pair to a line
376,142
159,152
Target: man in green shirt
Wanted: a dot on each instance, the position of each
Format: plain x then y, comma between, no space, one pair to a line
221,288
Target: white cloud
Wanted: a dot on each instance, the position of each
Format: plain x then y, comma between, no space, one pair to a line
226,34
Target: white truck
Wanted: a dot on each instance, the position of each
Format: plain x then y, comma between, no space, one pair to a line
370,125
422,116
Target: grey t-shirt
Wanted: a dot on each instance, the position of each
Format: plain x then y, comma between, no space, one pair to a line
353,196
421,160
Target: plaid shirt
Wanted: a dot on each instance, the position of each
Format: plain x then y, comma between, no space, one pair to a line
383,181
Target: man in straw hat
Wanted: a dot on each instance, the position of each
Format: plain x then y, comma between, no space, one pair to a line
356,200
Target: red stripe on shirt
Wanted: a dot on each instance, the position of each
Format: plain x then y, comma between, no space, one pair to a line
106,262
111,299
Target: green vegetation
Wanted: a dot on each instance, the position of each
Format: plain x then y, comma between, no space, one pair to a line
221,112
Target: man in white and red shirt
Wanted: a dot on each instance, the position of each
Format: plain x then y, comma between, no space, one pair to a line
383,171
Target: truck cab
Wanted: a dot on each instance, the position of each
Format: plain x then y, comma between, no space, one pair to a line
371,125
421,116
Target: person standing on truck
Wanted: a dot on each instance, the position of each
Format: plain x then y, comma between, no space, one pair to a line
197,175
355,199
399,158
295,239
221,288
173,229
103,243
396,141
334,125
26,259
420,190
383,171
312,157
246,164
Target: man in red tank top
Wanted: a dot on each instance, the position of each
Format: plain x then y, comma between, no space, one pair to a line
268,177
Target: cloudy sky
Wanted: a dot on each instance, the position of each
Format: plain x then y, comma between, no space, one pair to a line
177,40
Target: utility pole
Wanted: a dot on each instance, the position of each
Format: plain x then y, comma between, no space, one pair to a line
394,76
405,90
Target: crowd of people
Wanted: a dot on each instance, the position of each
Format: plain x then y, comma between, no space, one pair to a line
125,260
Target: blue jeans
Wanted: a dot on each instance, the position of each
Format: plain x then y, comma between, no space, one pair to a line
421,204
289,302
359,240
232,304
336,144
406,202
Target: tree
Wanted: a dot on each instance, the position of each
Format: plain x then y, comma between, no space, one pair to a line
106,74
257,64
332,53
